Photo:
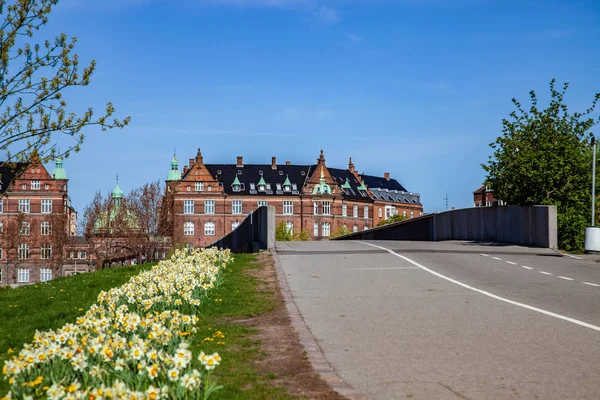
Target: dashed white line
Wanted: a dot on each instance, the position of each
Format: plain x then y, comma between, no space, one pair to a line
591,284
526,267
497,258
511,263
485,255
565,278
488,294
544,272
386,268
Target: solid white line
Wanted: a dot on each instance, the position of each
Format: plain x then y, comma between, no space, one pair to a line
485,255
575,257
497,258
544,272
512,263
591,284
488,294
565,278
526,267
367,269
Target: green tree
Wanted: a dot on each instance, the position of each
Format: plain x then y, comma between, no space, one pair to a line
544,157
392,219
282,233
33,78
302,236
341,231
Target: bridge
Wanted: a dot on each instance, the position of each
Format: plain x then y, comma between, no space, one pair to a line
452,319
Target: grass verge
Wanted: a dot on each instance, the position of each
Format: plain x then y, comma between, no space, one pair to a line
51,305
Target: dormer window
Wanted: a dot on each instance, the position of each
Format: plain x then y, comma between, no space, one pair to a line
294,186
261,188
279,186
287,188
252,186
236,188
268,186
260,172
280,172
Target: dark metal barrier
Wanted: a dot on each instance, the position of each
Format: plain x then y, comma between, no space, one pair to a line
255,233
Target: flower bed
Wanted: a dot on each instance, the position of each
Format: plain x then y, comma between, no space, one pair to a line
131,344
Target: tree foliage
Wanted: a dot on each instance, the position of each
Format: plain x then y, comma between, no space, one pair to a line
302,236
282,233
341,231
33,78
544,157
392,219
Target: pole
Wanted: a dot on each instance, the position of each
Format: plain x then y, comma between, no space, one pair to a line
594,185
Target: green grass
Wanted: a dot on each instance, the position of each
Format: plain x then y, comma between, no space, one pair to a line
51,305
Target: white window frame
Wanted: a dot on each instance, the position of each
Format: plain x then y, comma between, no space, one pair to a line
209,229
366,211
289,225
326,208
1,227
355,211
236,207
366,228
355,228
188,206
209,206
326,229
24,206
316,208
234,225
82,255
288,207
412,214
46,206
23,252
23,275
380,212
263,203
1,206
344,209
199,186
25,229
316,229
35,185
46,228
188,228
46,252
45,274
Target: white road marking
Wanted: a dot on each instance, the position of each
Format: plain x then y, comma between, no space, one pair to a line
512,263
367,269
526,267
544,272
497,258
488,294
575,257
565,278
485,255
591,284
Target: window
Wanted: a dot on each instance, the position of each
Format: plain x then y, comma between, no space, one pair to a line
46,206
1,227
209,206
188,206
236,207
199,186
252,186
366,228
366,211
316,229
188,229
35,185
263,203
412,214
325,229
25,229
46,187
46,252
326,208
288,207
46,228
287,188
355,228
404,213
316,205
1,206
24,205
261,188
189,188
23,251
1,256
209,188
488,203
209,229
82,254
236,188
45,274
24,187
344,210
380,213
234,225
355,211
23,275
278,185
268,186
290,227
294,186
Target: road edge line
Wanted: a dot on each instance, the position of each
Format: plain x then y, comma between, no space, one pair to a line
488,294
314,352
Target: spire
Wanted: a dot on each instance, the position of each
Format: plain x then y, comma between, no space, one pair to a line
59,172
322,187
174,174
287,181
117,194
262,182
236,181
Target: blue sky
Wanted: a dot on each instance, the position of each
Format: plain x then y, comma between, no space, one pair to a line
417,88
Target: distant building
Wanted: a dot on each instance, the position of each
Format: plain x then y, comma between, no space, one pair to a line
207,201
484,197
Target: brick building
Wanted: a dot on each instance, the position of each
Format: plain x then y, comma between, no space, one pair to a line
484,197
37,222
207,201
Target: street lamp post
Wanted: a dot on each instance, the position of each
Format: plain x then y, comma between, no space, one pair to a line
592,233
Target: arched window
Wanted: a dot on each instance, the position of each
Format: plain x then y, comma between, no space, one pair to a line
188,228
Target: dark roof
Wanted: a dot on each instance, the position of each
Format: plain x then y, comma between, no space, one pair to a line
340,176
382,183
77,240
396,196
480,190
251,173
8,172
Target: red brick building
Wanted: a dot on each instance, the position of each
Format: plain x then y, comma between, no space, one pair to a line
207,201
484,197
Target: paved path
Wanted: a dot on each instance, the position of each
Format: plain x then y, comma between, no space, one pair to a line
451,320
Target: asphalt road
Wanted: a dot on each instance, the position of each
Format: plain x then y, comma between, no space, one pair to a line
451,320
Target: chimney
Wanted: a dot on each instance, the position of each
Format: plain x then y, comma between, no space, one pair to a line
191,162
288,163
274,162
386,175
240,161
199,157
185,169
350,166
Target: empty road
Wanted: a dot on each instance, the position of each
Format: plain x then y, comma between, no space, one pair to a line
450,320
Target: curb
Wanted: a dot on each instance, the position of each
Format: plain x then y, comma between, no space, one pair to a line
308,341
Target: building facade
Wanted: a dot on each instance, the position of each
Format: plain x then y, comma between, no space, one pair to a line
207,201
484,197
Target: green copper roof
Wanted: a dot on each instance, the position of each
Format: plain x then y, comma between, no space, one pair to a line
262,181
59,172
117,193
322,187
362,187
236,181
346,185
287,181
174,174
